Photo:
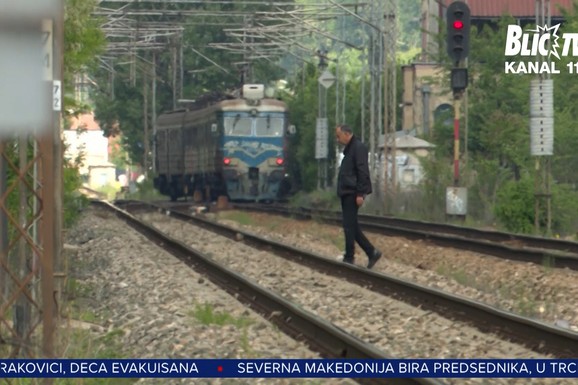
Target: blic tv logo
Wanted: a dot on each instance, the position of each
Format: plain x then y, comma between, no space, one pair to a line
544,42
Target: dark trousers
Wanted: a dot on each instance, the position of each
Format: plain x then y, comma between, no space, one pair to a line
351,228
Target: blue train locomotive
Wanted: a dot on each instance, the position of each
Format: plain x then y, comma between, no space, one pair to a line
232,146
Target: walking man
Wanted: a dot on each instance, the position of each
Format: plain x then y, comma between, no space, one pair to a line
353,185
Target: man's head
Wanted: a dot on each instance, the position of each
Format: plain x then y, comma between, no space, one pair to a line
343,133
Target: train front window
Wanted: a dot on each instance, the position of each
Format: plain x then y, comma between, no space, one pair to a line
269,126
238,125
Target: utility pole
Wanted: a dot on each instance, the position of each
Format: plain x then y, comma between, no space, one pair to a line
372,90
390,104
174,74
325,80
154,110
542,128
146,124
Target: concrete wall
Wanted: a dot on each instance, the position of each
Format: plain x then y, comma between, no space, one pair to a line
421,89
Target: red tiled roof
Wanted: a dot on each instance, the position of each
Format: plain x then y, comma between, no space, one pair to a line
85,121
516,8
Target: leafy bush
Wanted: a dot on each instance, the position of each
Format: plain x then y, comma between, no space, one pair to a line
72,201
324,199
515,205
564,210
145,191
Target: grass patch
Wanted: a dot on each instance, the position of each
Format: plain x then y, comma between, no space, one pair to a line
110,190
76,289
525,303
145,191
549,263
324,199
241,217
206,314
458,275
337,240
81,344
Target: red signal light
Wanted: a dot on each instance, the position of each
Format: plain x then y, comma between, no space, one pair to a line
227,161
458,24
279,161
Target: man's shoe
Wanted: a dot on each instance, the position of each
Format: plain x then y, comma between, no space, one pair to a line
348,260
374,258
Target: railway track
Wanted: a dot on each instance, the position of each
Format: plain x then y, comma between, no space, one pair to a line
525,248
538,336
321,335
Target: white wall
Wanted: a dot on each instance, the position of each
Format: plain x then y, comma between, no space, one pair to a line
92,143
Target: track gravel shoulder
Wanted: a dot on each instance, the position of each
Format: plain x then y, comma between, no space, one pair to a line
547,294
393,326
160,308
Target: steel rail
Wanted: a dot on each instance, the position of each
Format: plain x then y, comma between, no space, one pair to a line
537,250
535,335
321,335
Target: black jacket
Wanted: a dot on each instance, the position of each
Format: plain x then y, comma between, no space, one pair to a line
353,175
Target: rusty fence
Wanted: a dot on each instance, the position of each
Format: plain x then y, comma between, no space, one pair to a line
29,244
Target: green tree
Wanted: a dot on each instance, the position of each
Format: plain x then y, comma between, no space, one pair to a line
83,42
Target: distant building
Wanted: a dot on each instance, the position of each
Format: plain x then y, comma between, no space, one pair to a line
423,99
409,150
83,137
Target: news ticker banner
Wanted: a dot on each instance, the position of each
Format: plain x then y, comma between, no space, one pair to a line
288,368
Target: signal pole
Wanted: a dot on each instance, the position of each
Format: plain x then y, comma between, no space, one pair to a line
458,36
457,105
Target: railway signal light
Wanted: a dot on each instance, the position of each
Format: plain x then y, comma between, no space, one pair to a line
458,28
459,79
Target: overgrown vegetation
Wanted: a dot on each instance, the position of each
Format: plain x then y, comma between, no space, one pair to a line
241,217
207,315
79,342
144,191
320,199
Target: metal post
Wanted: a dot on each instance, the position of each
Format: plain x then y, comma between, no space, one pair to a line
174,75
548,159
146,126
322,114
373,83
181,67
390,101
456,140
363,80
537,177
154,112
3,227
543,167
22,306
48,237
426,90
58,159
111,79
